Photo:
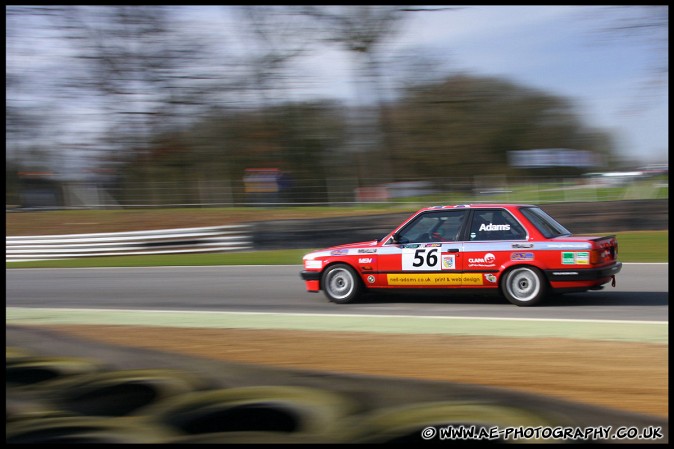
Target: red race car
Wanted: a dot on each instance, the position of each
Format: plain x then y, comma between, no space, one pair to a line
515,249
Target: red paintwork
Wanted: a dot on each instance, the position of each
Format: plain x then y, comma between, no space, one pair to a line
474,264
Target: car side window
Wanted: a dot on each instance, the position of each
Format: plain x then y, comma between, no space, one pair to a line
440,226
495,225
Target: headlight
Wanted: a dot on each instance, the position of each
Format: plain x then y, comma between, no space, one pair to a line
310,264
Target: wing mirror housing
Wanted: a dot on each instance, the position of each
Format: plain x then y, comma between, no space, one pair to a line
398,239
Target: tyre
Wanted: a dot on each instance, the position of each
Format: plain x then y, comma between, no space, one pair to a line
341,284
524,286
256,413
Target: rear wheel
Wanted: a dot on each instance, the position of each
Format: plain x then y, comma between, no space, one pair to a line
341,284
524,286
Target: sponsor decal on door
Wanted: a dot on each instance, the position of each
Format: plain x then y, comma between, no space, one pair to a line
435,279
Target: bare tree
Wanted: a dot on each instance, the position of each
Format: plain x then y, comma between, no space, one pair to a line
646,25
363,31
274,37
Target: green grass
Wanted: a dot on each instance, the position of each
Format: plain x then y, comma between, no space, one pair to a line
643,246
638,246
276,257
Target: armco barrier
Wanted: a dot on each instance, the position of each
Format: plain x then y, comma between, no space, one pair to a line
187,240
607,216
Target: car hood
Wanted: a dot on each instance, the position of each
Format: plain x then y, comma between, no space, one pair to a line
365,244
339,248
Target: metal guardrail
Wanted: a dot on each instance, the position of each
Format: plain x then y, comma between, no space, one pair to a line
166,241
583,217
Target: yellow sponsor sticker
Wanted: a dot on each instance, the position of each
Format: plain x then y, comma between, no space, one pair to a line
435,279
472,279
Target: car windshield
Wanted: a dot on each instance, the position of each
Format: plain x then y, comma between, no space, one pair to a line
547,225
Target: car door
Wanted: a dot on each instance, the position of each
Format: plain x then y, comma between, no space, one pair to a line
425,253
489,243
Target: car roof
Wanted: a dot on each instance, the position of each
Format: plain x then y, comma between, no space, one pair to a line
478,206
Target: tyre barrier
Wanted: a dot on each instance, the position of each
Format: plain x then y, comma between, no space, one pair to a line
12,353
91,402
119,393
28,372
304,414
162,406
84,430
23,407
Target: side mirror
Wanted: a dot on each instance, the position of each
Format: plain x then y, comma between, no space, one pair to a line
397,239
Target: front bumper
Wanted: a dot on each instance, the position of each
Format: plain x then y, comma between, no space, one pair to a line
312,280
310,275
584,274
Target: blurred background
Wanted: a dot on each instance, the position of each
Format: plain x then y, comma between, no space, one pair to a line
157,106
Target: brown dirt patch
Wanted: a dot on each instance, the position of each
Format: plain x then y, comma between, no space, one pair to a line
626,376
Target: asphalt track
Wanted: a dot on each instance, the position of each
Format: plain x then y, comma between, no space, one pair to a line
273,297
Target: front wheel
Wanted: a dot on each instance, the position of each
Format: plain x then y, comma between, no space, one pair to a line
524,286
341,284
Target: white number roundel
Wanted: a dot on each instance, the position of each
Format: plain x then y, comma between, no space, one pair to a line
421,259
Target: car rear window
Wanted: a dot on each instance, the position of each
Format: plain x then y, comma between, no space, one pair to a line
547,225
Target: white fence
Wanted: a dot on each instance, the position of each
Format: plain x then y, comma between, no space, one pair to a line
167,241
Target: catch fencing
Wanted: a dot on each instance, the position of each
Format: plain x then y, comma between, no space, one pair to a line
339,191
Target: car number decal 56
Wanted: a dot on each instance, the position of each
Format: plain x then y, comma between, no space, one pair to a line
421,259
